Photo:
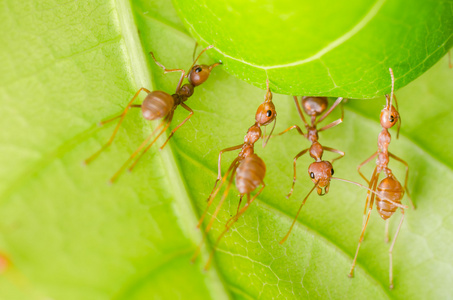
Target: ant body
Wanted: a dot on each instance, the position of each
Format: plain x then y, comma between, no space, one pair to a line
389,187
158,105
320,171
248,168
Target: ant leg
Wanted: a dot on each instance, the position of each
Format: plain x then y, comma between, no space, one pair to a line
169,119
219,174
118,173
297,215
372,186
182,123
334,151
222,200
102,123
387,222
338,101
216,190
364,163
294,164
183,72
406,179
351,273
241,212
237,211
300,111
391,249
293,127
121,116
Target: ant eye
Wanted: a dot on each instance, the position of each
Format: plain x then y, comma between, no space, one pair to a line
331,172
392,118
269,113
198,70
312,175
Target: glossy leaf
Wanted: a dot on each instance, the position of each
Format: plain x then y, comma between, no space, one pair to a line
69,235
327,48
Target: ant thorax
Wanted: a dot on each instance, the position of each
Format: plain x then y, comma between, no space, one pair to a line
384,140
312,134
253,134
316,151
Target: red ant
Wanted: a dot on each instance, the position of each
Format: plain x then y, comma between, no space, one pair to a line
320,171
158,105
389,187
248,167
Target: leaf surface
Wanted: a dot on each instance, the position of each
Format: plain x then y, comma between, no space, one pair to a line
70,235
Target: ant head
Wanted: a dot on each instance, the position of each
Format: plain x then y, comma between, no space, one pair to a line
199,74
186,90
266,113
389,116
320,173
314,106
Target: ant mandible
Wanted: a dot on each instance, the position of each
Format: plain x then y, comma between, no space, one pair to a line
248,168
320,171
158,105
389,187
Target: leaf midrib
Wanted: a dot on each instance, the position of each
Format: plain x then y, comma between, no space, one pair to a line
142,75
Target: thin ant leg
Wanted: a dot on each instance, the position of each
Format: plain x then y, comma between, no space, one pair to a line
121,116
293,127
177,127
219,169
406,179
300,111
338,101
237,211
215,191
351,273
241,212
391,249
294,164
364,163
222,200
169,119
102,123
183,72
334,151
373,181
297,215
387,222
118,173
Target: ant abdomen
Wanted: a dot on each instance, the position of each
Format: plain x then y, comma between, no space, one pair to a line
156,105
390,188
250,174
314,106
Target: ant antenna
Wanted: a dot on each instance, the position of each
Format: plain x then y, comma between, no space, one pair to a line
393,86
370,190
194,50
202,51
264,135
297,215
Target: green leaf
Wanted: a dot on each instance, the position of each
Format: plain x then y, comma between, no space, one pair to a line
69,235
327,48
